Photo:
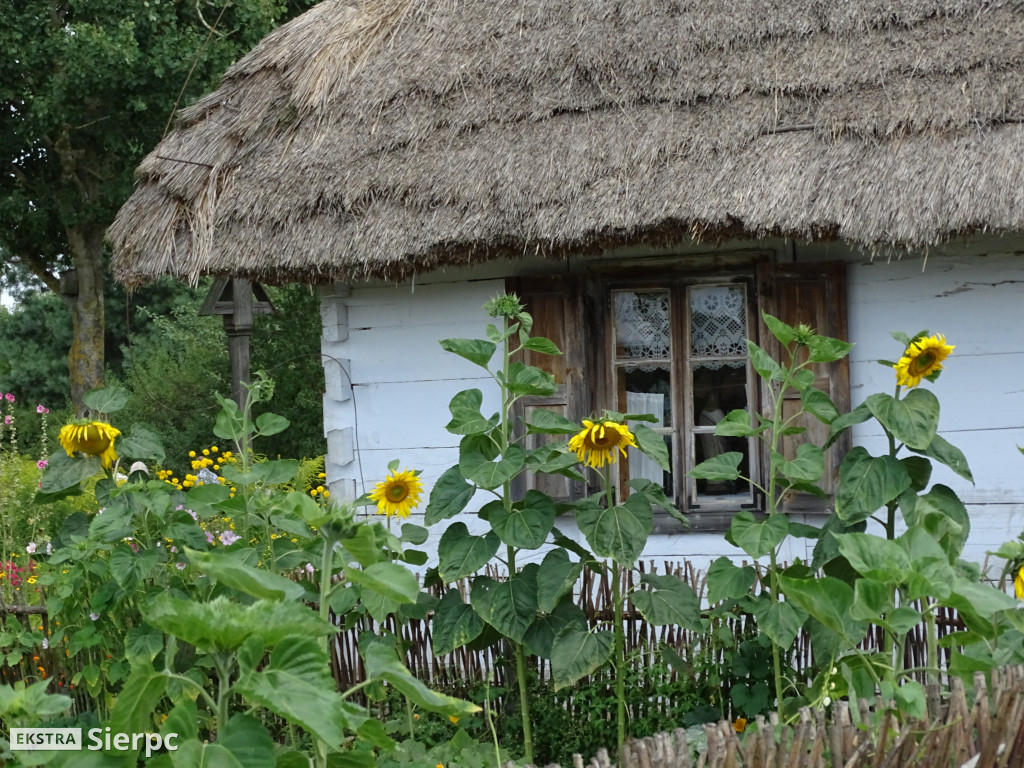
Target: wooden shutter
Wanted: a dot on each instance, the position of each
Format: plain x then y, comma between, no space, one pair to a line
814,294
561,312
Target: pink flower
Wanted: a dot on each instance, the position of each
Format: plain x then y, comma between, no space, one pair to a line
42,463
94,616
209,538
228,538
41,409
308,568
10,397
8,419
180,566
31,548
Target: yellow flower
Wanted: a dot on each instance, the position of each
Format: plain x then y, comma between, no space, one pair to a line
192,454
597,442
94,438
739,724
922,358
399,494
1018,583
454,719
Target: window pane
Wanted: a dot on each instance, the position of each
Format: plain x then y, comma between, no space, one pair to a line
718,320
646,389
640,465
642,325
718,387
706,446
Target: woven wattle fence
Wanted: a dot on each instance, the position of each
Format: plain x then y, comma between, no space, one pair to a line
988,732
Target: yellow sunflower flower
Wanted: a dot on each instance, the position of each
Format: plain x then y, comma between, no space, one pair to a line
1018,584
94,438
598,441
399,494
922,358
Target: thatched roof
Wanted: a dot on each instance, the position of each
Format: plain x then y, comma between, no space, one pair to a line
378,138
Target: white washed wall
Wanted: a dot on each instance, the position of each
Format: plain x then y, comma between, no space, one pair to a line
389,382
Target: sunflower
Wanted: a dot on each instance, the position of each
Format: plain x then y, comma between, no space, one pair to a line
93,438
922,358
399,494
1018,584
597,442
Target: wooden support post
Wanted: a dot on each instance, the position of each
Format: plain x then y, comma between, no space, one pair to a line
237,300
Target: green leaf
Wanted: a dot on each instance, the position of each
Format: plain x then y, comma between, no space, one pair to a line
476,468
137,700
414,534
529,380
141,443
819,405
780,330
276,472
757,537
840,424
808,465
728,581
829,601
945,517
143,643
982,599
910,699
248,741
763,363
509,606
903,619
655,496
912,420
459,554
780,621
529,523
66,472
224,625
825,349
477,351
466,416
576,653
232,572
542,345
871,600
229,424
948,454
724,466
545,422
736,424
867,483
619,532
539,639
874,557
652,445
106,399
382,663
920,471
365,545
670,601
271,424
455,624
197,754
449,496
555,579
130,568
296,684
389,580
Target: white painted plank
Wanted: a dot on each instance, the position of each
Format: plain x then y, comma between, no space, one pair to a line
411,415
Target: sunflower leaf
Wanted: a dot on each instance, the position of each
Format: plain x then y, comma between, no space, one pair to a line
913,420
106,399
477,351
653,445
475,467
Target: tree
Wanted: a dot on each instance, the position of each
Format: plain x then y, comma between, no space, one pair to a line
87,87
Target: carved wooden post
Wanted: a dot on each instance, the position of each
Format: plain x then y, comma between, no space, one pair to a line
237,300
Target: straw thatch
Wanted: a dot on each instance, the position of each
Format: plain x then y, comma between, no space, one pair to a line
378,138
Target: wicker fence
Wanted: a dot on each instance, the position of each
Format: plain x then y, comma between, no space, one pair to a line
986,733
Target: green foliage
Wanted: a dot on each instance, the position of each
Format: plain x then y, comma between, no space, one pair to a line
34,340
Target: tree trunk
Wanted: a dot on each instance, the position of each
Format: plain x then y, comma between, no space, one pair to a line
85,358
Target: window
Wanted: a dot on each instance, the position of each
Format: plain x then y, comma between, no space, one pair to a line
670,339
680,354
